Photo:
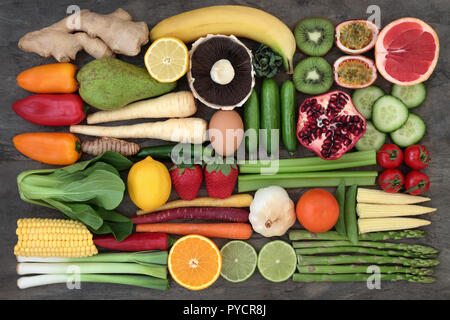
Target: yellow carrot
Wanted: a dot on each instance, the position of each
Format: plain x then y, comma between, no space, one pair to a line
233,201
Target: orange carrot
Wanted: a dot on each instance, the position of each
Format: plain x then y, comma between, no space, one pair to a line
49,78
59,148
214,230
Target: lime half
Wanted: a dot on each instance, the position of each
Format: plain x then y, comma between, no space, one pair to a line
277,261
238,261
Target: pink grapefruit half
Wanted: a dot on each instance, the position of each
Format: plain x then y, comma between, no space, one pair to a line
406,51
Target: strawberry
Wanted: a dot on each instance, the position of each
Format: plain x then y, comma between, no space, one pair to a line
186,179
220,179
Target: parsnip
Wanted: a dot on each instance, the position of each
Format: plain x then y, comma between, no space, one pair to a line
172,105
187,130
233,201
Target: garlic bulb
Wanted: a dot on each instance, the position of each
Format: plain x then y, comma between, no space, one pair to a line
272,212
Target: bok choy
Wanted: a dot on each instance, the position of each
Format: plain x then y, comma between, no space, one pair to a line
86,191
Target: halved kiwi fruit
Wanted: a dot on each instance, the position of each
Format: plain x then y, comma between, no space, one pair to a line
313,75
314,36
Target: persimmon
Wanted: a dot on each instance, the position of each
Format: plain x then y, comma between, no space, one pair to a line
317,210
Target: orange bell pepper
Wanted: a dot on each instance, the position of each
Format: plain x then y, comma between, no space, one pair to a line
49,78
58,148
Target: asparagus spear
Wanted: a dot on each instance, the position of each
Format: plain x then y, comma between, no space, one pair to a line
373,236
346,259
298,277
369,244
354,268
395,253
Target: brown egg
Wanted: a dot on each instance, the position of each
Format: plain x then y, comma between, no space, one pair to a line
226,131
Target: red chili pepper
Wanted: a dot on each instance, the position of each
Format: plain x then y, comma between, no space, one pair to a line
136,242
51,109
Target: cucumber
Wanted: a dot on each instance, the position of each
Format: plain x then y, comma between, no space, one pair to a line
164,152
251,122
270,113
389,113
411,132
412,96
363,99
372,139
288,117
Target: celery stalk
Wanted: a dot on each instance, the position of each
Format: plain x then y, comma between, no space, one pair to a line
348,160
251,182
141,281
148,269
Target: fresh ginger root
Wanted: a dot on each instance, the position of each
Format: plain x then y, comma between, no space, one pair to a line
99,35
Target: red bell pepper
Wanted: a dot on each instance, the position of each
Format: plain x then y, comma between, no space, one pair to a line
51,109
136,242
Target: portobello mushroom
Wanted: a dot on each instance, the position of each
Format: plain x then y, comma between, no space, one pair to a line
221,74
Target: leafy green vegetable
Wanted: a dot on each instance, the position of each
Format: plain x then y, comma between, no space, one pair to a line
266,62
87,191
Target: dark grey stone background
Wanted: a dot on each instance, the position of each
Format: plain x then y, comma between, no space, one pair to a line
20,17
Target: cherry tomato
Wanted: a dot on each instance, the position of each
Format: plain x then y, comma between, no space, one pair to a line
317,210
390,156
417,183
391,180
417,157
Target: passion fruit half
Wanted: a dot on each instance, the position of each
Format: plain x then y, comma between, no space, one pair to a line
354,72
356,36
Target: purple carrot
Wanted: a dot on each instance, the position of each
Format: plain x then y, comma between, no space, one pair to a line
223,214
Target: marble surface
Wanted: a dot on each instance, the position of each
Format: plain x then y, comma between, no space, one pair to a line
20,17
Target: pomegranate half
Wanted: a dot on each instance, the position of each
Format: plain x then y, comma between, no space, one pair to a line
330,125
354,72
356,36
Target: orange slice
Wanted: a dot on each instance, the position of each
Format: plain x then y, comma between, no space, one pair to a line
167,59
194,262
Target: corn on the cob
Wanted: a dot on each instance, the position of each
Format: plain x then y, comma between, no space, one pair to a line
53,238
378,196
368,210
388,224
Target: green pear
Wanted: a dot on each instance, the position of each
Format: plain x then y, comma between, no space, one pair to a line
110,83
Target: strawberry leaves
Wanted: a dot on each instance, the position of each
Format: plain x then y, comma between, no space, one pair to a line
181,167
220,167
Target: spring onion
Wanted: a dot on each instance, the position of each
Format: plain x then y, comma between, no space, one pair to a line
311,164
148,269
154,256
251,182
141,281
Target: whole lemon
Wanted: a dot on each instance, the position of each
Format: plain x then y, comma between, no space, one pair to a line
149,184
